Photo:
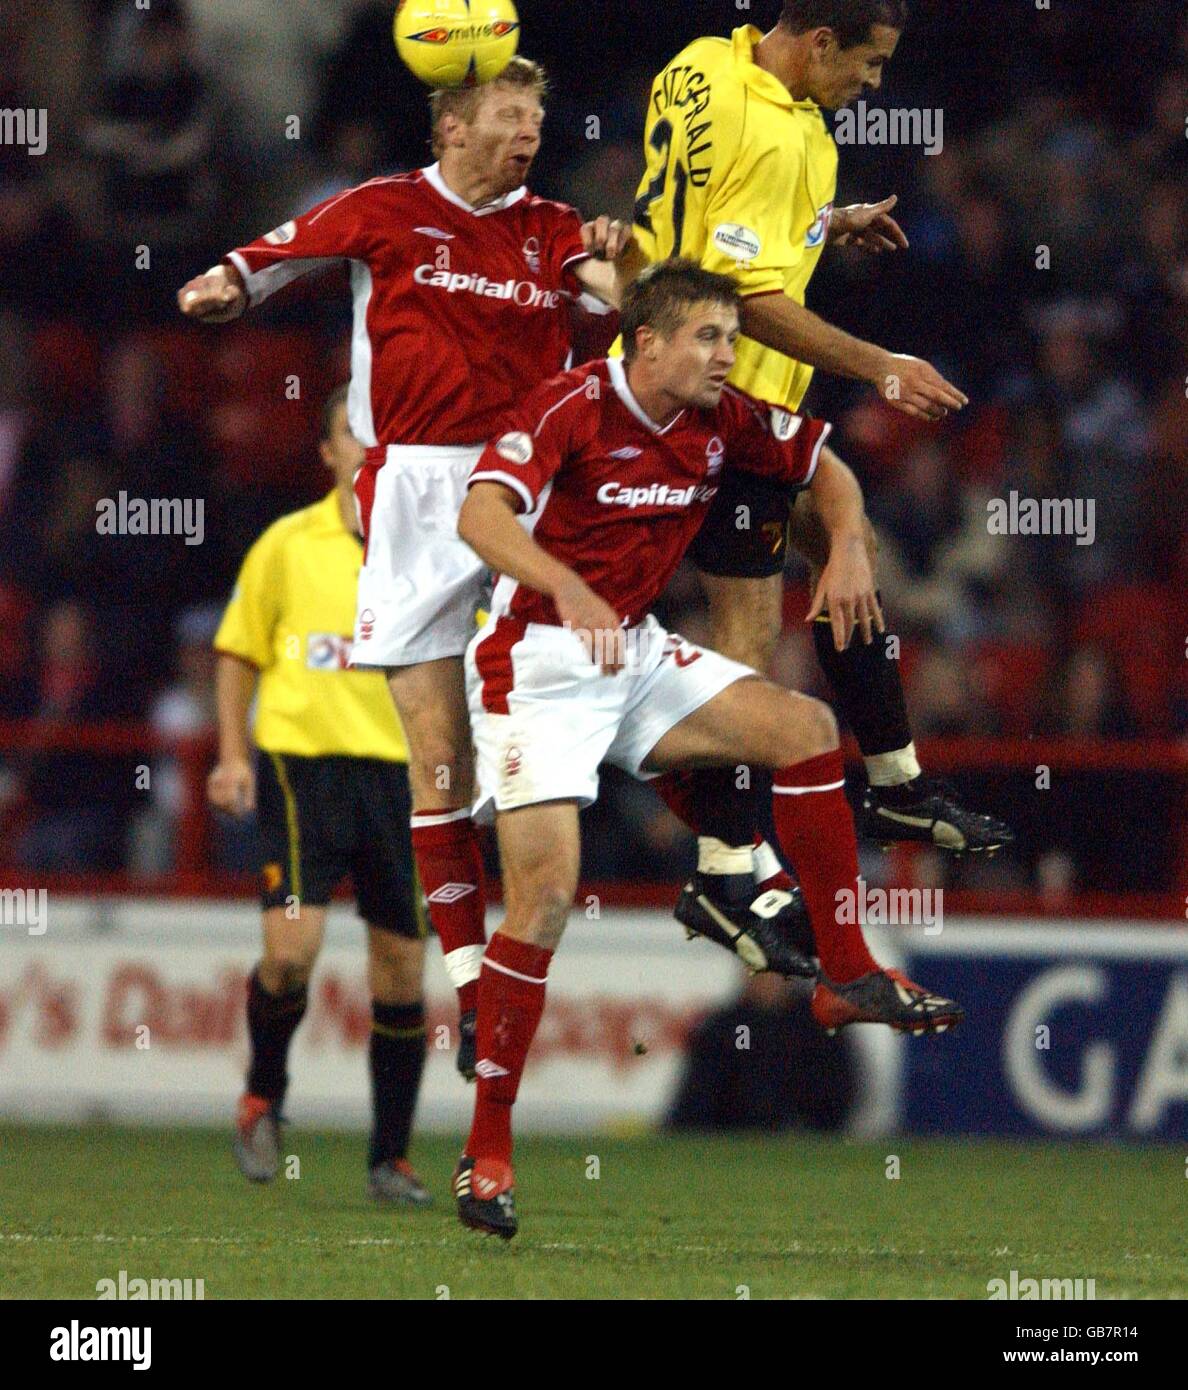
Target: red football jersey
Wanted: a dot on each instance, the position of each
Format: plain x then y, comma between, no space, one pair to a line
619,499
459,311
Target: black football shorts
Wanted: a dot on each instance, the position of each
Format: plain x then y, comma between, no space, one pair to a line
321,819
745,534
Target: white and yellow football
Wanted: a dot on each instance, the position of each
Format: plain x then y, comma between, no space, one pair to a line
456,43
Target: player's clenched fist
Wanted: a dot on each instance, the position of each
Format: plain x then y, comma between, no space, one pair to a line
215,297
606,238
231,787
914,386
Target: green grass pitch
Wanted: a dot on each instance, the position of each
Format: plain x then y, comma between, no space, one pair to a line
664,1218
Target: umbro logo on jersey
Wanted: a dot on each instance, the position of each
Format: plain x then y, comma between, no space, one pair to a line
451,892
435,232
281,235
489,1070
628,453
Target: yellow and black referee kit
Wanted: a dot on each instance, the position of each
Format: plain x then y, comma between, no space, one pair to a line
332,784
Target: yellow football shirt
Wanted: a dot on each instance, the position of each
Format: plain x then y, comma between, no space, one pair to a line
741,178
291,615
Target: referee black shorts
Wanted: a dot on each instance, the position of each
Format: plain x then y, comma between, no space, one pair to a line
745,534
322,818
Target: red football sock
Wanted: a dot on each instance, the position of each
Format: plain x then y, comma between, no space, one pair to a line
711,804
678,792
816,832
450,863
511,998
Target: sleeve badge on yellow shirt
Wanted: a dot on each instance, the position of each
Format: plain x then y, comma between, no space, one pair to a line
737,241
820,229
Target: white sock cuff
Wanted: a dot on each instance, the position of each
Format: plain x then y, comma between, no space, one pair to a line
892,769
767,862
463,964
716,857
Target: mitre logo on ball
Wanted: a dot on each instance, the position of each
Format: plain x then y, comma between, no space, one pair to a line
456,43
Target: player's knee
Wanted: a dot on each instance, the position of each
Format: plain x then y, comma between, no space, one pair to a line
810,732
439,764
397,967
287,965
542,907
820,728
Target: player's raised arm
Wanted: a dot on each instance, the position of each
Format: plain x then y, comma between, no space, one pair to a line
615,259
751,227
215,297
908,383
343,227
868,225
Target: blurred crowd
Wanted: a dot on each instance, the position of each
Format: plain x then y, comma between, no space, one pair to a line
1047,276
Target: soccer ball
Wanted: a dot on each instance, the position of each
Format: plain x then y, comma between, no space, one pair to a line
457,43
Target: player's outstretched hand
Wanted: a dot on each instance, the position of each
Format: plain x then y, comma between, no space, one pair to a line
847,590
231,787
215,297
596,624
869,225
914,386
606,238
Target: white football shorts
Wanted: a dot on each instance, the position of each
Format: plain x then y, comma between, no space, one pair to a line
420,586
544,716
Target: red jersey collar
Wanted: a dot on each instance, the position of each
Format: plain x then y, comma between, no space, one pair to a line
618,380
432,176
